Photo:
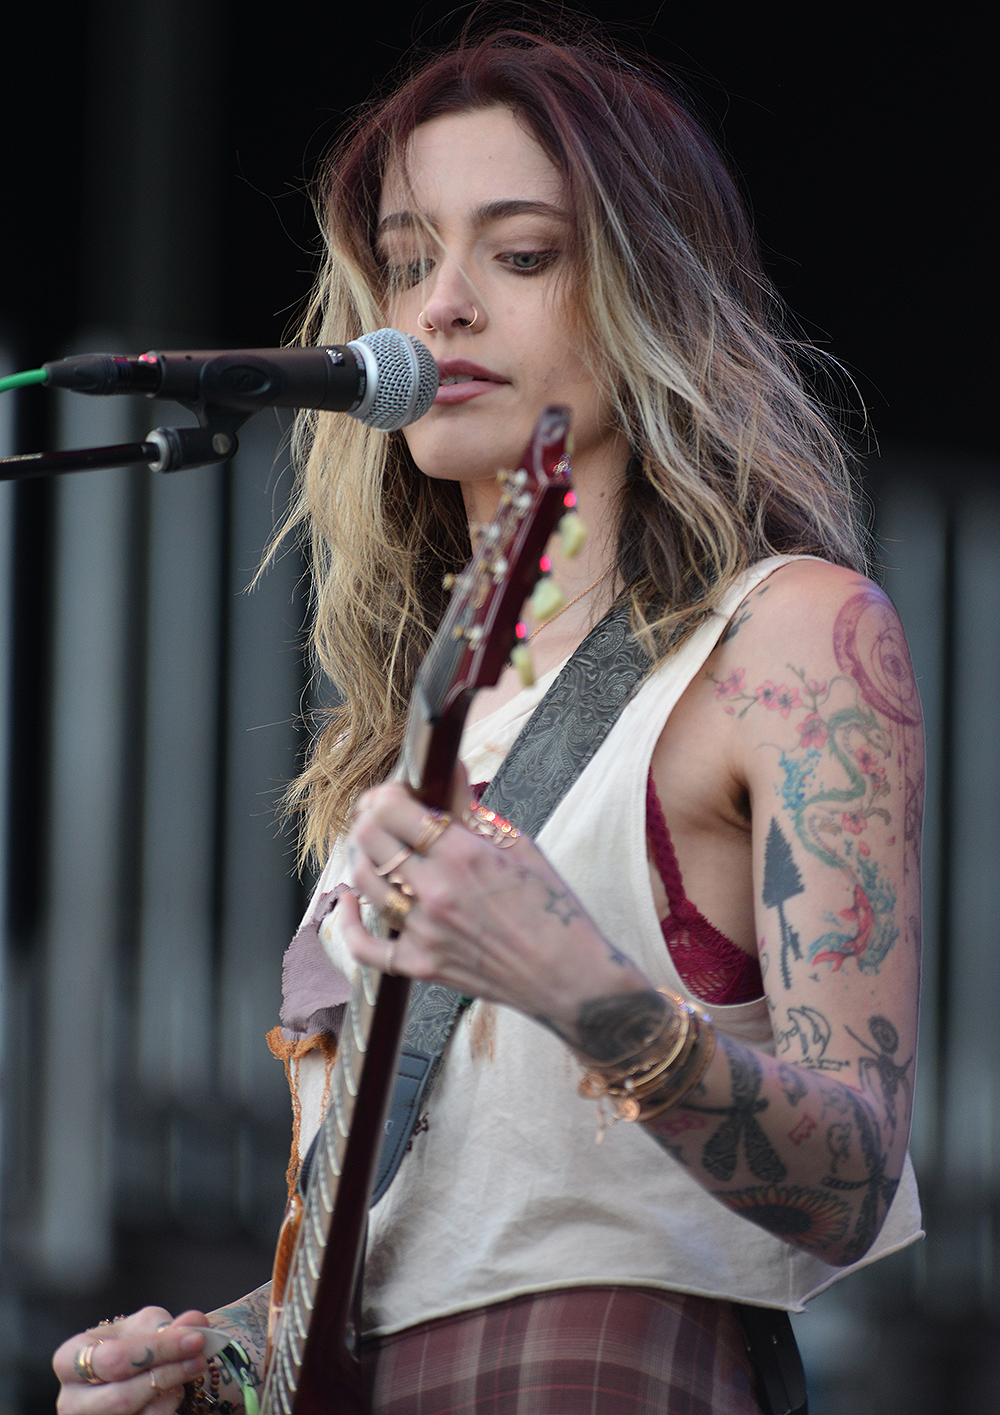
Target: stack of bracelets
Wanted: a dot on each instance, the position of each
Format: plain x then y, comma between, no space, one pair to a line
670,1064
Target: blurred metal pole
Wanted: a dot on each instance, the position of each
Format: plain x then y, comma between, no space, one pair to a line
261,894
972,1096
8,1318
913,527
91,708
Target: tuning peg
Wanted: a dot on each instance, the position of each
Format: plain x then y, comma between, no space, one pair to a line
520,657
572,534
546,599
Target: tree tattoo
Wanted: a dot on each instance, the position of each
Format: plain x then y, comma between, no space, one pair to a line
782,881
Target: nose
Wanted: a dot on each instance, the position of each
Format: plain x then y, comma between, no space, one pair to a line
450,307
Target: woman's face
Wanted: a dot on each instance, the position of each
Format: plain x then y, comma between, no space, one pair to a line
474,236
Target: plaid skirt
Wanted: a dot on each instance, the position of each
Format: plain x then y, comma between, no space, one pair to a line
578,1351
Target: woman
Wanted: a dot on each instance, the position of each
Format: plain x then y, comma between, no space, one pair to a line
557,228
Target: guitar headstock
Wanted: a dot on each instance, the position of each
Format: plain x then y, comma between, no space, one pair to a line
477,632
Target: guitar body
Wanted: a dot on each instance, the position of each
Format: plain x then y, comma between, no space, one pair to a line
312,1364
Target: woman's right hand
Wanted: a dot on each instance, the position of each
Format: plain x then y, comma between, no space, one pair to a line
141,1362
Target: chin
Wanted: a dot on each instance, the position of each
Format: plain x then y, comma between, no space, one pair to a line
454,449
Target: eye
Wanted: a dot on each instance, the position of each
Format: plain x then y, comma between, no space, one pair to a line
528,262
412,272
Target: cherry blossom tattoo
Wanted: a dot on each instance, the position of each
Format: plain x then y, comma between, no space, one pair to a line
835,783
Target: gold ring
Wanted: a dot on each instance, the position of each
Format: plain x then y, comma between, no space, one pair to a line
494,826
394,911
83,1364
434,823
427,328
152,1382
390,953
469,323
392,865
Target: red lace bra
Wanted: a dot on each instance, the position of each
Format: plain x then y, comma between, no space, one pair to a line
710,965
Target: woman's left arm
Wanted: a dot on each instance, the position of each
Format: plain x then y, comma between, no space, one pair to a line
810,1143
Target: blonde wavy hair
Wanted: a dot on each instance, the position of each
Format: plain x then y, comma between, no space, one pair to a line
733,458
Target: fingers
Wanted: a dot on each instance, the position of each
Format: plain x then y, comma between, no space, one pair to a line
133,1363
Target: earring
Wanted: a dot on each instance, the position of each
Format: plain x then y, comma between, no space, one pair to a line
427,328
468,323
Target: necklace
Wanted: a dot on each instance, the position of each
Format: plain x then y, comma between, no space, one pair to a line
569,604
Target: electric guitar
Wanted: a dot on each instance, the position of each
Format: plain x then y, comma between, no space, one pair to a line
312,1365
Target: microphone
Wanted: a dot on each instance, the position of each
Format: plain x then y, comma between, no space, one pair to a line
385,379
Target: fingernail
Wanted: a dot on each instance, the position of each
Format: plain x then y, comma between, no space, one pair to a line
194,1365
192,1342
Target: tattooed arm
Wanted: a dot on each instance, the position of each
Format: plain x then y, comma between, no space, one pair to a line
246,1322
812,708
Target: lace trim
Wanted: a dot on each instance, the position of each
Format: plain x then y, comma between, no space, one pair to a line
711,966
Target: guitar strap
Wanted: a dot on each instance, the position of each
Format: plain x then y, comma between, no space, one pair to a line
550,752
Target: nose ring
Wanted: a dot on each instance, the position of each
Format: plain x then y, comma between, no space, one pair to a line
429,328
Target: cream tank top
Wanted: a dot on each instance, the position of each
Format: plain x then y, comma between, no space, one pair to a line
504,1190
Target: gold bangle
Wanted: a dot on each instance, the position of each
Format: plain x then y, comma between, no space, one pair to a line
633,1068
645,1090
683,1084
636,1081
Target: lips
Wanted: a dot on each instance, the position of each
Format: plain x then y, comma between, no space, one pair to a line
462,380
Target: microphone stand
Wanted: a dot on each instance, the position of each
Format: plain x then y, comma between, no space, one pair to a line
166,449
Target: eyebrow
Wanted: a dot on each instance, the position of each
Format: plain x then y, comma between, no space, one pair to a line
481,216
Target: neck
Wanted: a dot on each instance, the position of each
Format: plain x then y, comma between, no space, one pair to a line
597,481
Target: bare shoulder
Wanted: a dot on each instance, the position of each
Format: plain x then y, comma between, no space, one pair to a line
809,622
801,599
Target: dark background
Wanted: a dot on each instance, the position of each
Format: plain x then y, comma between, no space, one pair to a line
153,180
860,132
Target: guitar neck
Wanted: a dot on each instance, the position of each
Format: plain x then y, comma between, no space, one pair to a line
313,1367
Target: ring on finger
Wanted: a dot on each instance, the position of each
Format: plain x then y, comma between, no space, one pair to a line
83,1364
394,911
152,1382
494,826
434,823
392,865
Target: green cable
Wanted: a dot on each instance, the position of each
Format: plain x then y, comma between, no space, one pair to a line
238,1364
21,380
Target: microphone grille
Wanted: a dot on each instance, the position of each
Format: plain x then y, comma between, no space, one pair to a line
406,381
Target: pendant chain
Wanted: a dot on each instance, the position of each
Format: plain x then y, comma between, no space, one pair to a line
569,604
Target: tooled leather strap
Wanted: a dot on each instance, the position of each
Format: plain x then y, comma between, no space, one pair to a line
552,749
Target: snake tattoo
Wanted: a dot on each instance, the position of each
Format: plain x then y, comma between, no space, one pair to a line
830,821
